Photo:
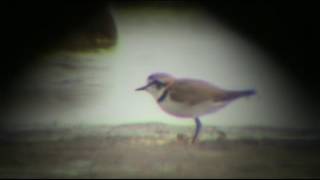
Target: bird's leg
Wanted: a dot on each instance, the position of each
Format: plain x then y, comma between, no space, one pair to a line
198,129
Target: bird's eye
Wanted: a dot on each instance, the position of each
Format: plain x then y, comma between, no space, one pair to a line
159,84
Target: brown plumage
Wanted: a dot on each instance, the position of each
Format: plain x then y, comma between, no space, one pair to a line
194,92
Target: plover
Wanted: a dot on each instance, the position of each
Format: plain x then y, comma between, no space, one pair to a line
189,98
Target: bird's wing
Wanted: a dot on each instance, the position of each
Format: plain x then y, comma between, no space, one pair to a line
193,92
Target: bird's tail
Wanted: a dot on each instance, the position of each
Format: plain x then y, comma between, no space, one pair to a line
246,93
237,94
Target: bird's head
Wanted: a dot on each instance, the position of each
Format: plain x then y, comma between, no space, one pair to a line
157,83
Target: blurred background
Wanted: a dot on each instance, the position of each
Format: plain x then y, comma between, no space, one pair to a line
70,69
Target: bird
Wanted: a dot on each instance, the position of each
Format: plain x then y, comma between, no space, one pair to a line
190,98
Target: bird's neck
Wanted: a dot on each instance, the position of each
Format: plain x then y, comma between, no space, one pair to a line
158,93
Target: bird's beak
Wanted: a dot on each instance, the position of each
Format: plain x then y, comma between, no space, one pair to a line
141,88
144,87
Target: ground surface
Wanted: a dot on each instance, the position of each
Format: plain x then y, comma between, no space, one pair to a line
157,153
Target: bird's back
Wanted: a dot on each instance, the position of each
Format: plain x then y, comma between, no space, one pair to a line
193,92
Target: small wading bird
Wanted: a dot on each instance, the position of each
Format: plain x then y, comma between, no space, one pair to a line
189,98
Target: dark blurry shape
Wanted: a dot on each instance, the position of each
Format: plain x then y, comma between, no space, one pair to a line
98,33
35,29
39,27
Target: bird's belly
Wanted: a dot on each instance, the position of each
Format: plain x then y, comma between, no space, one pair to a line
190,111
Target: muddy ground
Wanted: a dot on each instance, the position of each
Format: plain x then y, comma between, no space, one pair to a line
158,153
